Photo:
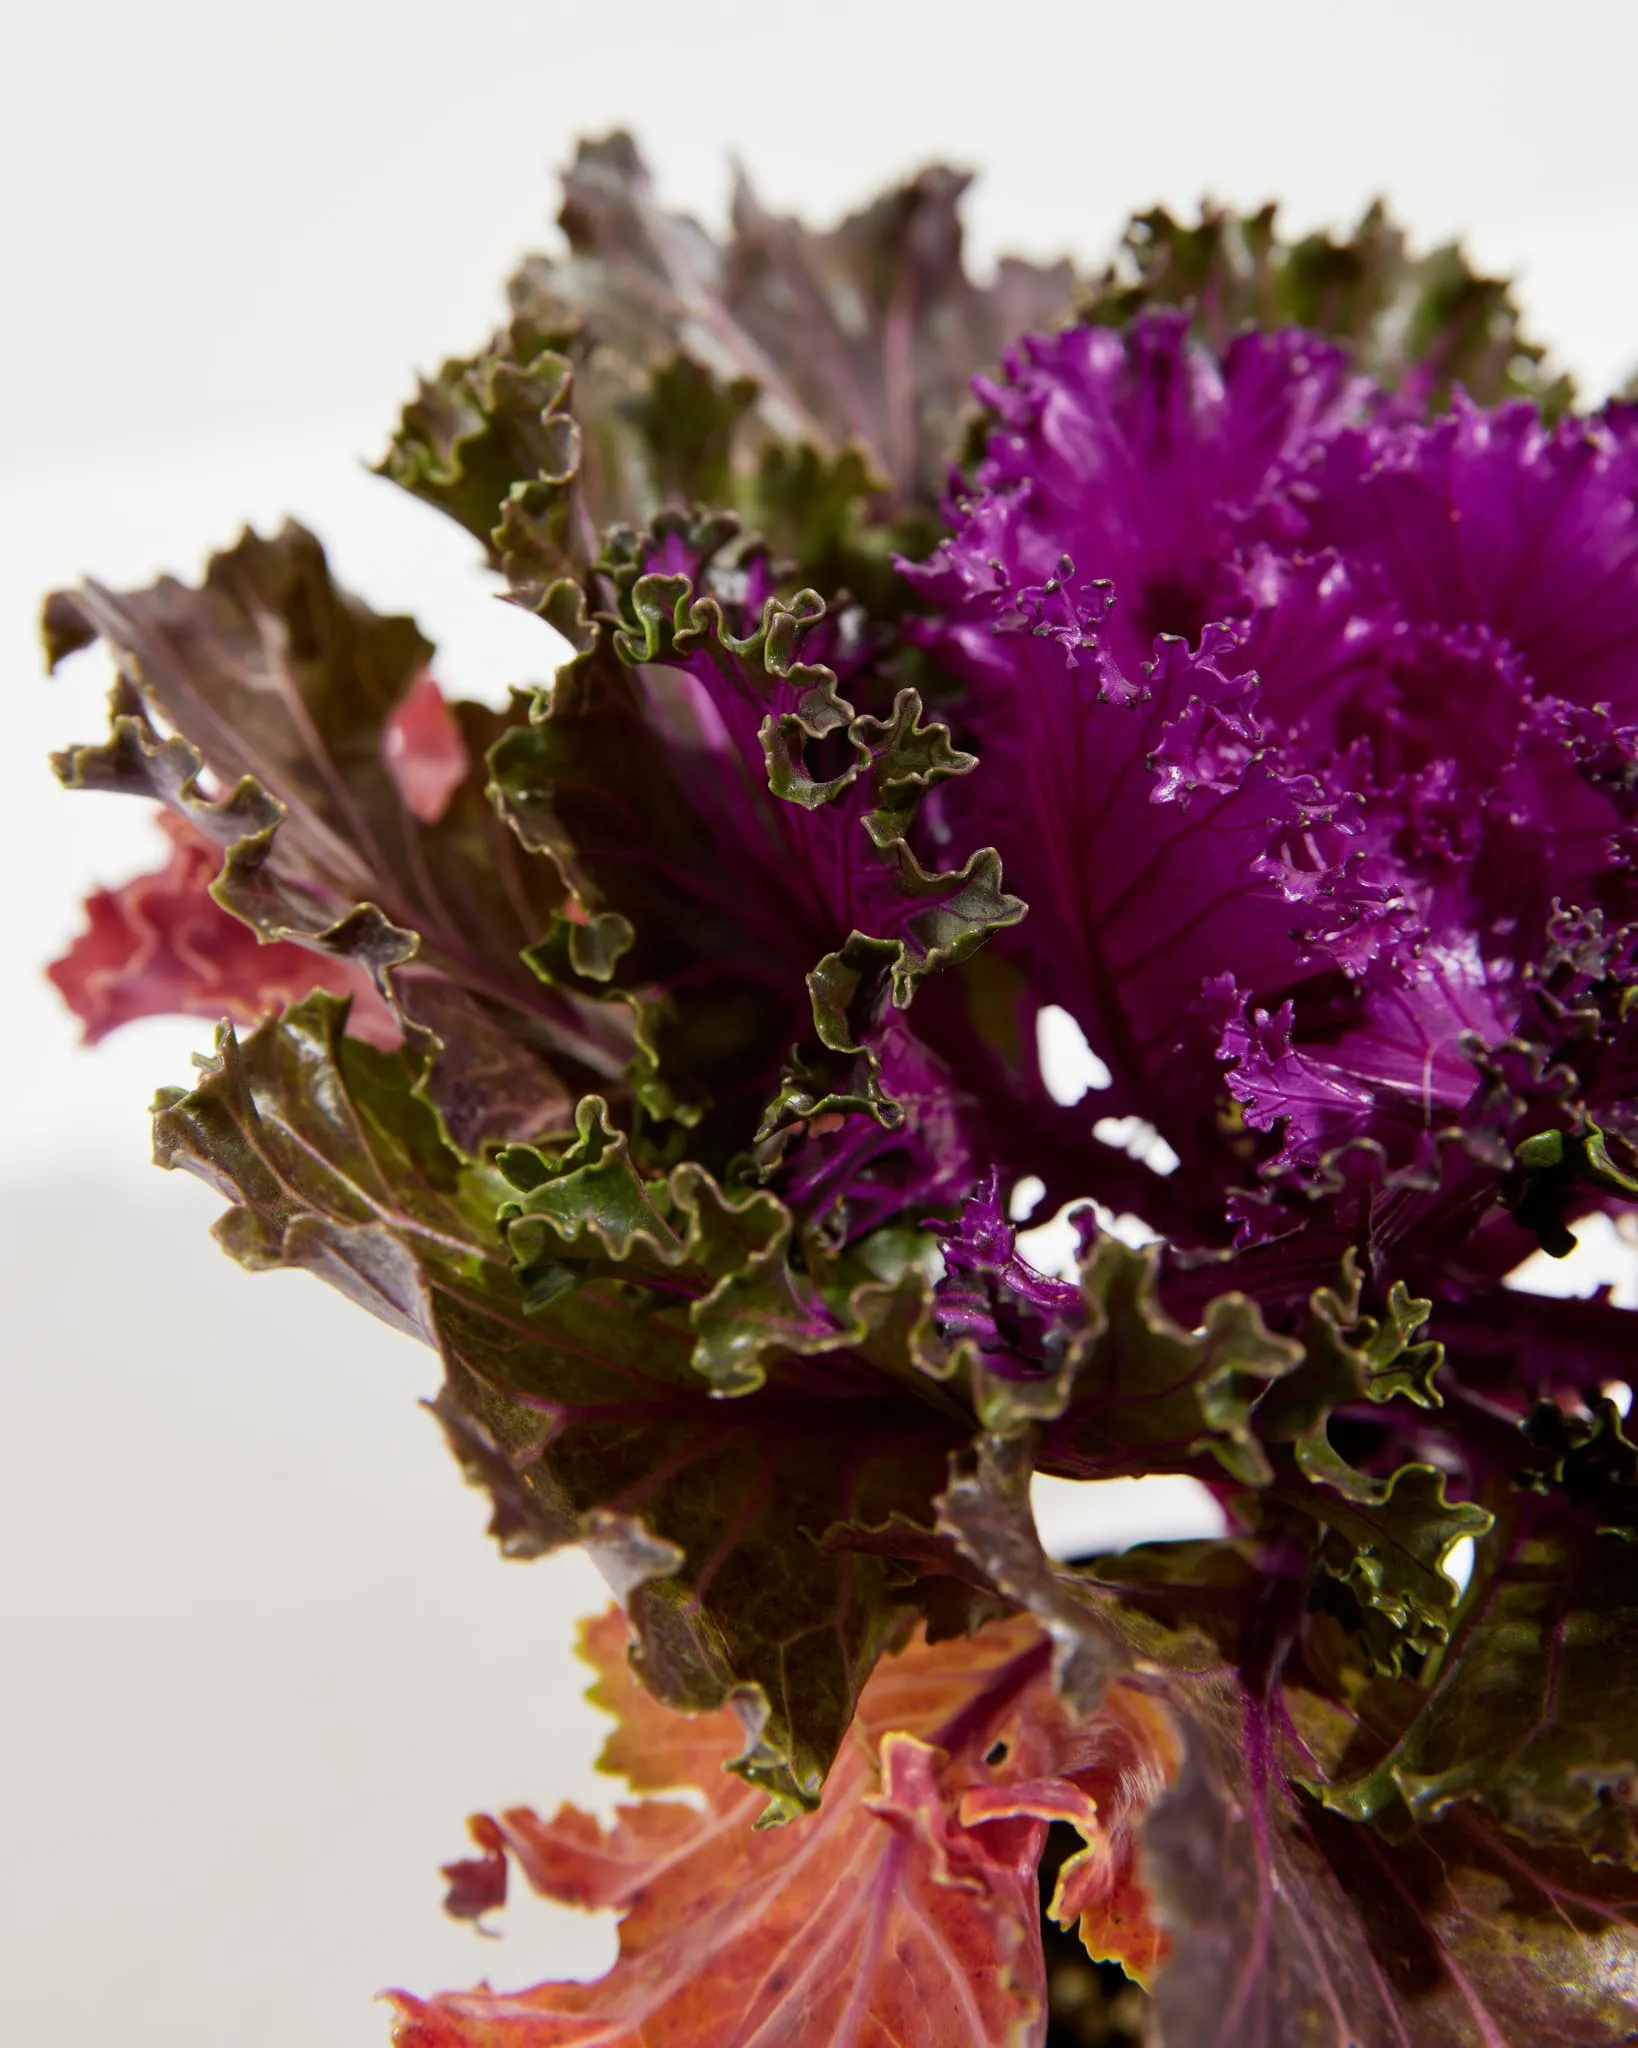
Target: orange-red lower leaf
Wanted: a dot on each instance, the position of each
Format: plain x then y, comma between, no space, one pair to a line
903,1914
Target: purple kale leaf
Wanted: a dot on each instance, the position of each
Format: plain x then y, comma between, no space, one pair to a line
1328,723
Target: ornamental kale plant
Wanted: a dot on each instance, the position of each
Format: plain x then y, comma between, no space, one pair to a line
1237,652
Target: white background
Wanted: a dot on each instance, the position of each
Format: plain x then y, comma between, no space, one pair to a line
258,1659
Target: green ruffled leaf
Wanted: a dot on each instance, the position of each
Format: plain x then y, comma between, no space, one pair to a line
724,816
813,382
592,1411
1105,1383
1388,1540
589,1214
1388,1536
1421,323
1139,1393
1350,1358
1528,1713
280,686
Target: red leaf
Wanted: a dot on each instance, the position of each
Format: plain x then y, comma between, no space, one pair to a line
160,945
424,753
904,1914
477,1884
